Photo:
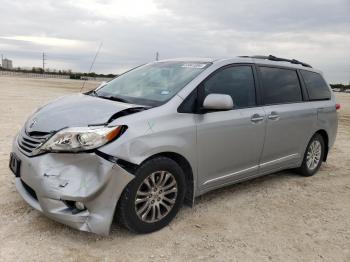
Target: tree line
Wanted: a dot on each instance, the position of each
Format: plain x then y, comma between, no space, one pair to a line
341,87
72,75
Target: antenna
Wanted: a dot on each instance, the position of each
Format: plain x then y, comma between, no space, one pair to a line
92,64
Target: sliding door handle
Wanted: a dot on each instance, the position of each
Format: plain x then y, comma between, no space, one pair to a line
273,116
257,118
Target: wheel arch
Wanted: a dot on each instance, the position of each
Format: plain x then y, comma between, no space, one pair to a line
187,169
325,137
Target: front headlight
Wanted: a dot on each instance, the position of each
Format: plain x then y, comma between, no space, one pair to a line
77,139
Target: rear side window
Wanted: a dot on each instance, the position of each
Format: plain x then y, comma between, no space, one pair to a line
236,81
280,85
315,85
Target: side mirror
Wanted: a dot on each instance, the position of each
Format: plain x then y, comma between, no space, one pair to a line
218,102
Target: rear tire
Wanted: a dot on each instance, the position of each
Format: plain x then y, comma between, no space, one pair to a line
153,198
313,156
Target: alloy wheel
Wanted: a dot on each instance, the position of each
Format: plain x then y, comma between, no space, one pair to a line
313,155
156,196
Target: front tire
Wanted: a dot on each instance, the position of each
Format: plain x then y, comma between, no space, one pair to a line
313,156
154,197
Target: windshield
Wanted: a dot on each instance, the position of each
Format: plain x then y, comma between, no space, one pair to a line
152,84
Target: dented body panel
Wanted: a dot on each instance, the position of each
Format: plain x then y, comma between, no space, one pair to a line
56,178
74,110
155,131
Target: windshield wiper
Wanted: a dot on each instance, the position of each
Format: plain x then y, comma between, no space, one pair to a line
93,92
114,98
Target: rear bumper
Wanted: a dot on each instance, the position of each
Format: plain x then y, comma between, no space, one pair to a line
48,180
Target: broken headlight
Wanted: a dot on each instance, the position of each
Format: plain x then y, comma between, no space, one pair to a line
76,139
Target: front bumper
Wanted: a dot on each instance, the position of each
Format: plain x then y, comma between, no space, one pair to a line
46,181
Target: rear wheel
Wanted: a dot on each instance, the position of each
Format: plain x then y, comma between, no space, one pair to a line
154,197
313,156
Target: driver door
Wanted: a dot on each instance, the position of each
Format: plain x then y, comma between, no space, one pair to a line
229,143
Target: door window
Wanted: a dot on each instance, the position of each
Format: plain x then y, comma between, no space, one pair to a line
236,81
280,85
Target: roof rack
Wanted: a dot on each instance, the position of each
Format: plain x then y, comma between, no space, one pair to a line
274,58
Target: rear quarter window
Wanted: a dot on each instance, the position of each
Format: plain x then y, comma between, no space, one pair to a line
315,86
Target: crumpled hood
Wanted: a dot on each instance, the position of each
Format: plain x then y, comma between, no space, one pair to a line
73,111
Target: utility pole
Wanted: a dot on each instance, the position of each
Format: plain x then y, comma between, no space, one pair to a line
157,56
2,59
44,59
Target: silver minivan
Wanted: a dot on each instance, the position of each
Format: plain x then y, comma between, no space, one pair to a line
161,134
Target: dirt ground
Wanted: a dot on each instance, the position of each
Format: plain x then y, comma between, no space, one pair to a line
280,217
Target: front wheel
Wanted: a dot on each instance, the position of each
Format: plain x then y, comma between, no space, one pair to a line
154,197
313,156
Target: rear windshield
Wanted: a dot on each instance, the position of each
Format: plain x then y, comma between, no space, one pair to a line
316,86
152,84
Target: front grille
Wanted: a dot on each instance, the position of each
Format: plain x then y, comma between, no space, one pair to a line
30,142
29,190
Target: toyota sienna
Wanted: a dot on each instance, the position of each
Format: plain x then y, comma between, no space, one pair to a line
138,147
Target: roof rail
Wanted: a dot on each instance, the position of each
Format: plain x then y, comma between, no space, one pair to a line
274,58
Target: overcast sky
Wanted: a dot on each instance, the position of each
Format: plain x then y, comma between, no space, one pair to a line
70,31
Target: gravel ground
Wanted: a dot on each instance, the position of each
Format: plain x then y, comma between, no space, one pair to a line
280,217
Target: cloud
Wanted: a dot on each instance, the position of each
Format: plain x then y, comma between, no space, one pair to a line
116,9
48,41
265,15
69,31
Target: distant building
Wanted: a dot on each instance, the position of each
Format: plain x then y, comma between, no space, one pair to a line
6,63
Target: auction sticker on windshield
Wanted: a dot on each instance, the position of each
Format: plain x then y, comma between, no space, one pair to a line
192,65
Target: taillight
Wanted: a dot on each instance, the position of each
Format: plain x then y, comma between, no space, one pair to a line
337,106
